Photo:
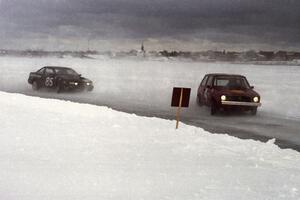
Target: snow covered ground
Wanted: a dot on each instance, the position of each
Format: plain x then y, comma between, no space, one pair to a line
51,149
148,84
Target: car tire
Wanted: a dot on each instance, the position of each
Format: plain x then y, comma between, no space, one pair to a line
35,85
58,88
90,89
213,108
253,111
199,103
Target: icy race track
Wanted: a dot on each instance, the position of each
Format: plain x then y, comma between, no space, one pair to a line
144,87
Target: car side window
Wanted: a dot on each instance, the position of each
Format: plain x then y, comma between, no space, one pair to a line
49,71
210,81
203,82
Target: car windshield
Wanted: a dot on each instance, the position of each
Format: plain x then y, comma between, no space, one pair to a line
65,71
231,82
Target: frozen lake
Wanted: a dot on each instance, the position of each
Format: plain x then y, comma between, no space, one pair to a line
145,87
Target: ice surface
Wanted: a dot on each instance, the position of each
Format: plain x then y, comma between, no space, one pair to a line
51,149
148,83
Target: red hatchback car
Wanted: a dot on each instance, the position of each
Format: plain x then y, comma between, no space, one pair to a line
227,92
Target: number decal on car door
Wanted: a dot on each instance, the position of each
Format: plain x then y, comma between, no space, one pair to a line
49,82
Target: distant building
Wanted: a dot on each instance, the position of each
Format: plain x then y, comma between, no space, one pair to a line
143,51
250,55
231,55
293,55
142,48
268,55
281,56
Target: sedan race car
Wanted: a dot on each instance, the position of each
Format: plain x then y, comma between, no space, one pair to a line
227,92
59,78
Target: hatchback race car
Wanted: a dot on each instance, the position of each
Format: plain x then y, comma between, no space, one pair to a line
59,78
227,92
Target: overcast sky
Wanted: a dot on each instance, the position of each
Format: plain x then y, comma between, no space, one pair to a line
161,24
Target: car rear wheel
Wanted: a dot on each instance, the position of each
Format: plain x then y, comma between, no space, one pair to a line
35,85
199,102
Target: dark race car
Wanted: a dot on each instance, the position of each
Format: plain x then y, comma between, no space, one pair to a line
227,92
59,78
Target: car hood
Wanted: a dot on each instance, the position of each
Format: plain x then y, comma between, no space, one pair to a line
69,77
85,79
239,92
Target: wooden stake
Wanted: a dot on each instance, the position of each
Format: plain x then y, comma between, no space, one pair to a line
179,108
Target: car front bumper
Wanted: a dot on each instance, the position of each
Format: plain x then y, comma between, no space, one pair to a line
79,86
240,103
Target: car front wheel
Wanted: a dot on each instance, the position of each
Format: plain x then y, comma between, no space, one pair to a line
90,89
59,88
253,111
213,108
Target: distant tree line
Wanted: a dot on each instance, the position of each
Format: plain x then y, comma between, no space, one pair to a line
43,53
235,56
209,55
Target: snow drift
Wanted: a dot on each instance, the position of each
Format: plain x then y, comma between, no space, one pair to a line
53,149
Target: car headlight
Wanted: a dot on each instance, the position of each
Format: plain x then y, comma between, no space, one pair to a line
88,83
223,98
255,99
73,83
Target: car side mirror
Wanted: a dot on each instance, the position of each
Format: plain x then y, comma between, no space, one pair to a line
252,87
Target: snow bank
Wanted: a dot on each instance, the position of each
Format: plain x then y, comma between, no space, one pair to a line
53,149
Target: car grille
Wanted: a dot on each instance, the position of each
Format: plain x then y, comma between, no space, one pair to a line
239,98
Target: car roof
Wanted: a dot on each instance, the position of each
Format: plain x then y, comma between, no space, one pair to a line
224,74
57,67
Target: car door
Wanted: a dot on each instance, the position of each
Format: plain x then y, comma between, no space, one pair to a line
201,88
207,95
37,76
48,78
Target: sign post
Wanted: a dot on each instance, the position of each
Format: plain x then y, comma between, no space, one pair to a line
180,98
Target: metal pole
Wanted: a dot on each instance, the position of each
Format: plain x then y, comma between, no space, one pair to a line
179,108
